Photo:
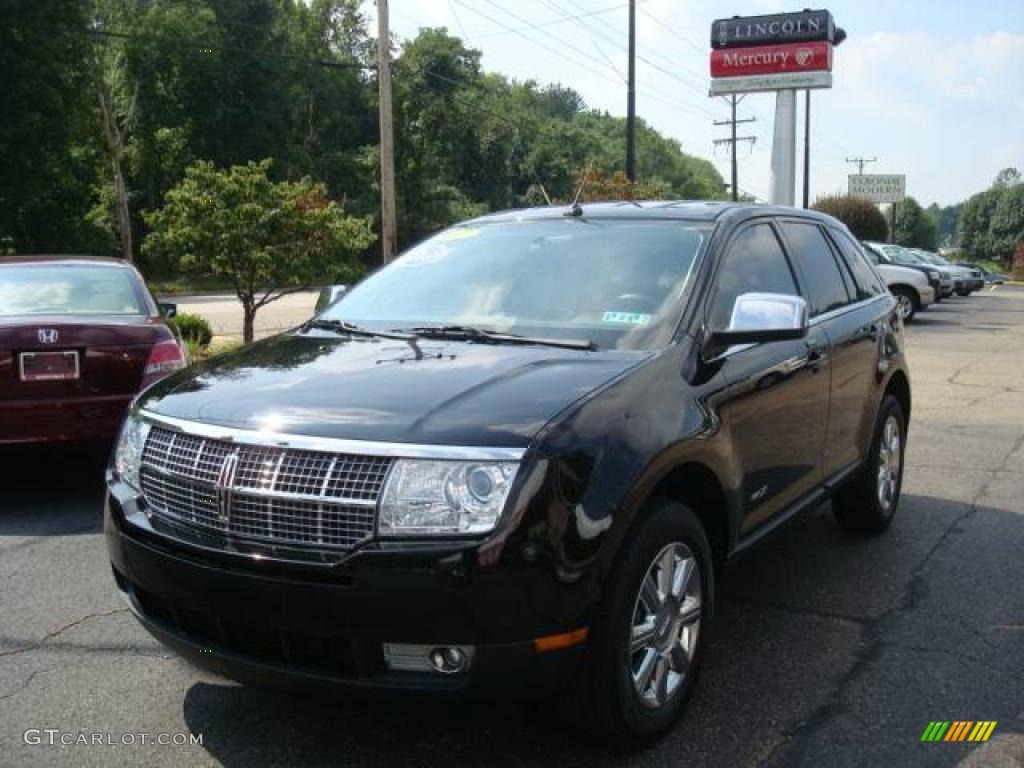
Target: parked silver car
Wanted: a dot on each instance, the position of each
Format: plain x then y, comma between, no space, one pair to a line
911,287
940,279
966,280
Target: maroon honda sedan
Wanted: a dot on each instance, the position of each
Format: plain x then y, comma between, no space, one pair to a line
79,338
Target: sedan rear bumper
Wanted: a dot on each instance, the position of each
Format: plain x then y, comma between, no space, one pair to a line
44,421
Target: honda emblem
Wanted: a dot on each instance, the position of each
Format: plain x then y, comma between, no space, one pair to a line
47,335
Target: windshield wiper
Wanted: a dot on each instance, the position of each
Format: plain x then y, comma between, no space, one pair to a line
471,333
343,326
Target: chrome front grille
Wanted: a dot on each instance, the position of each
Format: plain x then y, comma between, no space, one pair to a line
270,494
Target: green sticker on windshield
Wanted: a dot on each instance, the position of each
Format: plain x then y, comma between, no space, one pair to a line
629,318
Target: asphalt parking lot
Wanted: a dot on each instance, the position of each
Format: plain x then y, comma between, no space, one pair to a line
828,650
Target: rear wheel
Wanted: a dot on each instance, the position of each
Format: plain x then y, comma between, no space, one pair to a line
868,503
907,302
645,645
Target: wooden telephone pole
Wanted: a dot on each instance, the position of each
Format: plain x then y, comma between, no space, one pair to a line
388,225
631,97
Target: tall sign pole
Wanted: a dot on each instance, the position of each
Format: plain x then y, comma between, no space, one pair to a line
807,148
388,223
783,174
780,53
631,97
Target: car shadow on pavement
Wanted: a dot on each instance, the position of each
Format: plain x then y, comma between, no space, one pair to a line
796,621
50,486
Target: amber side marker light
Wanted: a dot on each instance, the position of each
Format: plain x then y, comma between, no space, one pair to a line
557,642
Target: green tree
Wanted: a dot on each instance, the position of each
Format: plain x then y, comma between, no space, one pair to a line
861,216
48,149
914,227
974,227
270,239
1006,228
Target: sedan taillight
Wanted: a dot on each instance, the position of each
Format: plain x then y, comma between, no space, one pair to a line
165,357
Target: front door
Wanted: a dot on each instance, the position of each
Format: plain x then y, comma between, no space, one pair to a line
775,407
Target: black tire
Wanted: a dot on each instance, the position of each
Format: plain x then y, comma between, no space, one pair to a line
604,698
909,302
859,506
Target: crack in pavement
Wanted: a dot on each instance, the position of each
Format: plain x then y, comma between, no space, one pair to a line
28,681
873,641
59,631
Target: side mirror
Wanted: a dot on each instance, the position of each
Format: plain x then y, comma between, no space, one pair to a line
329,294
168,310
763,317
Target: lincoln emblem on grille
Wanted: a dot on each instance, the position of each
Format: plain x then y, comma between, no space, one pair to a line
225,482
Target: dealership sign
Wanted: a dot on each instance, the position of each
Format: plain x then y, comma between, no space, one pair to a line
783,51
879,188
770,59
723,86
802,27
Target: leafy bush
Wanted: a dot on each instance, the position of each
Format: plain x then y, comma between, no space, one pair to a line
862,216
193,328
1018,262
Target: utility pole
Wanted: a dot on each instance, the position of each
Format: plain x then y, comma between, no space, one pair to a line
631,97
388,225
733,101
807,148
860,162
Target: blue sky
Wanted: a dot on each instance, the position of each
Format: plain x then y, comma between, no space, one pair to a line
933,89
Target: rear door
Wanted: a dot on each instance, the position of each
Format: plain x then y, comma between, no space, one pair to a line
774,409
851,321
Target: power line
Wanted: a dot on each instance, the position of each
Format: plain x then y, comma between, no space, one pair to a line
698,86
554,22
582,64
733,140
860,162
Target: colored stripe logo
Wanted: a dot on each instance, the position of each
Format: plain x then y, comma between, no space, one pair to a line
958,730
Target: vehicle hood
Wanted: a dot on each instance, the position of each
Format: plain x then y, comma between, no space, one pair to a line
429,392
894,274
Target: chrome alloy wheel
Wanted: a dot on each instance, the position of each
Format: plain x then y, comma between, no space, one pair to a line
666,623
889,458
905,305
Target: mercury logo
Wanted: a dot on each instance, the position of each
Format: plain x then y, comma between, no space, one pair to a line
804,56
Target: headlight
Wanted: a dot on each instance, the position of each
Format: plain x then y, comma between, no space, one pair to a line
933,274
436,498
128,455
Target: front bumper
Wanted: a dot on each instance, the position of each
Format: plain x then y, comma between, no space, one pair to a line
927,296
323,626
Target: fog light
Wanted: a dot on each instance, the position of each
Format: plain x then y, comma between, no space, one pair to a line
448,660
443,659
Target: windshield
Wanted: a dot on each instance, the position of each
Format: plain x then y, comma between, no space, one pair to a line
617,283
932,258
56,289
898,255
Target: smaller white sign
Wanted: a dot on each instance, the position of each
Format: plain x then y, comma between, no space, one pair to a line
777,82
879,188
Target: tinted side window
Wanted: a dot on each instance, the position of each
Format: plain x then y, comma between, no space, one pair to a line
864,276
754,263
825,287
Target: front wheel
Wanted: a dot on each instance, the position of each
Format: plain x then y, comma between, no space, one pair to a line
868,503
907,303
644,653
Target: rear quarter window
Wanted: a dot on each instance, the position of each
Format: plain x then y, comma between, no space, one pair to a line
813,257
865,278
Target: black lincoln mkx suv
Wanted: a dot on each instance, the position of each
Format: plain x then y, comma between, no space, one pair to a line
516,458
